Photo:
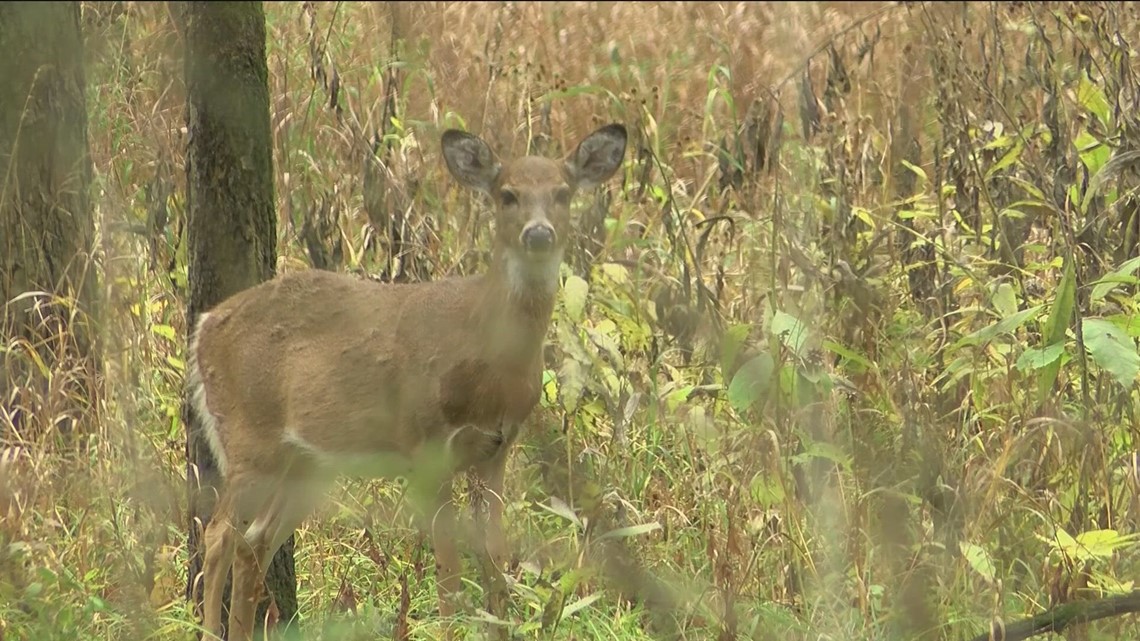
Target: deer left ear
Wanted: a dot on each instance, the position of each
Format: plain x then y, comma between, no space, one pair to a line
469,159
597,157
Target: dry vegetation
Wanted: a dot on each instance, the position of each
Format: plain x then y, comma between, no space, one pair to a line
848,353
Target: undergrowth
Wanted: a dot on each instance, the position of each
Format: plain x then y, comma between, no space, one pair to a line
848,353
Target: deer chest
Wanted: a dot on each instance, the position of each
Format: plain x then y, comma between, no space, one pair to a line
480,392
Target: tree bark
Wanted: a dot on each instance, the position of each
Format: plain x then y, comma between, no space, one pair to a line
45,219
231,224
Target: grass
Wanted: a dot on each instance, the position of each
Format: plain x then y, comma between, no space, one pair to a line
785,409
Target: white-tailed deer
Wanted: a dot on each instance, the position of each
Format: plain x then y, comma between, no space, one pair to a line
314,374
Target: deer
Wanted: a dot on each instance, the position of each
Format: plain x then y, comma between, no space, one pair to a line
314,375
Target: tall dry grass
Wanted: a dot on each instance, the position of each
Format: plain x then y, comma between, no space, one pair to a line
835,162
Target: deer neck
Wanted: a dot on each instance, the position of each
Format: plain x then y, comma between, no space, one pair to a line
517,304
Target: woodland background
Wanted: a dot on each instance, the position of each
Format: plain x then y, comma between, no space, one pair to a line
847,352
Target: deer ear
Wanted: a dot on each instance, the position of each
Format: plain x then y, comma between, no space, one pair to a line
470,160
597,157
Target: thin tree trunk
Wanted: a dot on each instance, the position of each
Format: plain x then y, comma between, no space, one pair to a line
45,221
231,228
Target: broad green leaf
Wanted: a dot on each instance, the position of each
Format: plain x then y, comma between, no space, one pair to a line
791,332
751,383
1103,543
570,382
1091,97
1005,300
1123,274
1130,323
1092,152
978,559
1038,357
574,296
734,338
1112,349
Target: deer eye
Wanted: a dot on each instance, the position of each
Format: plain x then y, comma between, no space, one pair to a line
562,196
508,197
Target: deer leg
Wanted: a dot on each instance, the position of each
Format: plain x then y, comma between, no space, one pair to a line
277,519
219,555
447,563
493,552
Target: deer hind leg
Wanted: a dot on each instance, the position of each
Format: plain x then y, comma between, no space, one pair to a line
219,556
277,519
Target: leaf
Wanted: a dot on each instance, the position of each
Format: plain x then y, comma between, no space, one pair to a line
1092,97
570,383
978,559
1112,349
1103,543
560,508
1055,326
1005,300
734,338
579,604
1038,357
751,382
574,296
632,530
1109,281
791,332
1004,326
858,359
165,331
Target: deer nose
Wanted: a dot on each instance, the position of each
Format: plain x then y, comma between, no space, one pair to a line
538,237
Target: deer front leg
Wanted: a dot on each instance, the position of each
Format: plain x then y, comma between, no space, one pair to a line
492,474
493,552
447,564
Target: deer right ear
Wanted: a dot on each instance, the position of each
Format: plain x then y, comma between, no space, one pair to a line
470,160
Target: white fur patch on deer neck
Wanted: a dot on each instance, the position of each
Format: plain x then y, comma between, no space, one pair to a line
526,277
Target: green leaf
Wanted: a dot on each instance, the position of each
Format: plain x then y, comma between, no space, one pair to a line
791,332
570,383
574,297
751,383
165,331
560,508
1005,300
862,362
734,338
1006,325
1007,159
1055,326
1123,274
1038,357
1112,349
978,559
579,604
632,530
1092,97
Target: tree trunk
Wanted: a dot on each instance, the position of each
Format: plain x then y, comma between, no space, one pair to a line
45,220
231,226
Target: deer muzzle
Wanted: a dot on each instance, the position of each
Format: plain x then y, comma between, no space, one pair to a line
538,237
